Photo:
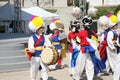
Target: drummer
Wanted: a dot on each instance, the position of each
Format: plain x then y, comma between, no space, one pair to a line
56,37
36,44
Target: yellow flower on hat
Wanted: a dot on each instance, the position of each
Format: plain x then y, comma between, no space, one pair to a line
113,20
38,22
58,24
35,23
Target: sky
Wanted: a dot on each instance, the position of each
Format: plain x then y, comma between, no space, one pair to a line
106,2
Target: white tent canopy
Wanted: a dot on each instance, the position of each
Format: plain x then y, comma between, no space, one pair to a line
27,13
37,11
7,13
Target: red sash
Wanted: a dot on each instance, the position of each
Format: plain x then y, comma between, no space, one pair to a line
103,50
38,41
52,36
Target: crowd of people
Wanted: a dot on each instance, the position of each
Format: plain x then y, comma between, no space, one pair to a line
82,49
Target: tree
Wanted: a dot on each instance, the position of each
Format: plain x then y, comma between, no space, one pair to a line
117,9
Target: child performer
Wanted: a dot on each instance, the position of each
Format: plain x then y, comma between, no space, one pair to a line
116,75
112,37
103,22
56,37
36,44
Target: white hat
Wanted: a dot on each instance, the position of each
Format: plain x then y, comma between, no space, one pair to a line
35,23
76,12
52,26
103,21
57,24
92,11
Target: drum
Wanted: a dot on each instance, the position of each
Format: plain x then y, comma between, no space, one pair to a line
49,56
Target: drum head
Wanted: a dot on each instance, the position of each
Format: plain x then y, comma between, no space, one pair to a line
47,55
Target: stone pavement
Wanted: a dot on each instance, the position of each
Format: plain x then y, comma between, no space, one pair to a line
59,74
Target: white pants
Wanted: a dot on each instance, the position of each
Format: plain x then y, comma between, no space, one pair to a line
84,61
116,75
71,70
111,58
35,63
107,66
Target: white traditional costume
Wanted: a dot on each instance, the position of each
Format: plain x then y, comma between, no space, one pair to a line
111,42
103,22
116,75
36,44
85,55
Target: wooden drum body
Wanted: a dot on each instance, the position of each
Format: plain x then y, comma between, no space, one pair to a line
49,56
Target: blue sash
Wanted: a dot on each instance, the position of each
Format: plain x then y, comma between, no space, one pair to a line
98,65
75,54
38,52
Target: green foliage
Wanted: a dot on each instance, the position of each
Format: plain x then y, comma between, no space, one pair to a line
51,10
117,9
76,2
104,11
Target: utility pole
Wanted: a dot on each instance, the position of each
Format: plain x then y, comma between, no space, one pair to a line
23,3
17,16
82,5
37,2
52,2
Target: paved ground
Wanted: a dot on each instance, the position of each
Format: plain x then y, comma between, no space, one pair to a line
59,74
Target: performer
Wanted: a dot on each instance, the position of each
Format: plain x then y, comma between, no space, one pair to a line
111,41
86,58
71,35
36,44
103,22
116,75
56,38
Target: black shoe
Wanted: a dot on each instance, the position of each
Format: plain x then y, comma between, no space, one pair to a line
40,68
106,73
71,75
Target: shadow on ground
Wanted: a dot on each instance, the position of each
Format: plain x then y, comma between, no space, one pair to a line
49,78
95,78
